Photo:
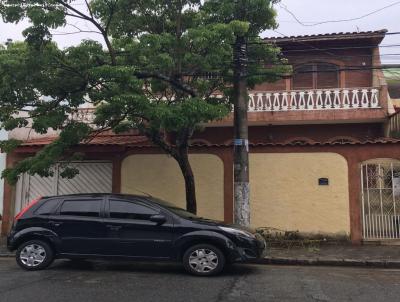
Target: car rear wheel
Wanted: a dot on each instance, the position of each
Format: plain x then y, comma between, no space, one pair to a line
203,260
34,255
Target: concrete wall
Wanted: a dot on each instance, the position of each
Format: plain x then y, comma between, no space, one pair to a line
160,176
286,195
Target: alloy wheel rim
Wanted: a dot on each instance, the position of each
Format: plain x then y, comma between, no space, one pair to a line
32,255
203,260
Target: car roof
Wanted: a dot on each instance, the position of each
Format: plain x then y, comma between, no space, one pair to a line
99,195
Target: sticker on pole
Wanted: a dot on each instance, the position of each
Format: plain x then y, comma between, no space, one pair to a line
241,142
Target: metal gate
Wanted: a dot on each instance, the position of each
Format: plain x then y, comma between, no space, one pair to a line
93,177
380,200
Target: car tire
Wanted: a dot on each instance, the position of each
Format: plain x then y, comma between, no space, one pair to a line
34,255
203,260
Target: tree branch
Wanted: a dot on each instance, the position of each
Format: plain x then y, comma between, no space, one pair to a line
112,11
156,139
92,20
89,9
177,84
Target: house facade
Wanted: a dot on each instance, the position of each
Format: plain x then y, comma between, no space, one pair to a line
323,159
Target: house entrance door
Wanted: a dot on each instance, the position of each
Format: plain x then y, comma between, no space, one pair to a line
380,196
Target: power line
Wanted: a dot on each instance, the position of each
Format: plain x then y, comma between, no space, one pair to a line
395,55
269,72
284,7
321,49
333,48
311,46
316,48
395,66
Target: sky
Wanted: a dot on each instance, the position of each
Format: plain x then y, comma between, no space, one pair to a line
306,11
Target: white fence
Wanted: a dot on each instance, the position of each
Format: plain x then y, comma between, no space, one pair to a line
381,227
320,99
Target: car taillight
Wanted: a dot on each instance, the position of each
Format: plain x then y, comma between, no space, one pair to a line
24,210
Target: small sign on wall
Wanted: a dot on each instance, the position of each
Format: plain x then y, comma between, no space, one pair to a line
323,181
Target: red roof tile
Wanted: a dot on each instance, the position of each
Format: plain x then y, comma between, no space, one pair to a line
130,140
99,140
332,143
329,36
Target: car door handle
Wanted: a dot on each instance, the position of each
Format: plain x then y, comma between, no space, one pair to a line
55,223
114,227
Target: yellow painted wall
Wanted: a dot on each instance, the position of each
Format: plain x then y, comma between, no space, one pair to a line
160,176
285,193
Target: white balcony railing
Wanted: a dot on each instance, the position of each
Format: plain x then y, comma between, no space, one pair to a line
85,115
320,99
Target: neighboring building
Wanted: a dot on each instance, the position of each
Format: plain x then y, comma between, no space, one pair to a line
392,76
321,156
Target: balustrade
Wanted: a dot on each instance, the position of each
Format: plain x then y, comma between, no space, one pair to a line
320,99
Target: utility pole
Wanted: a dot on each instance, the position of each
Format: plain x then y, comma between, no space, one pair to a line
241,139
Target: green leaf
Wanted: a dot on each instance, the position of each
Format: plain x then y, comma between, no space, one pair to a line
8,146
240,28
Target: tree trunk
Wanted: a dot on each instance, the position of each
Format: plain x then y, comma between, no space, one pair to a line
182,157
180,152
241,142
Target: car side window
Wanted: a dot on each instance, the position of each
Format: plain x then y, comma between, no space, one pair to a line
48,207
121,209
85,208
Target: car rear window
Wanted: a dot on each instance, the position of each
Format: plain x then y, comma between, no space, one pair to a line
86,208
48,207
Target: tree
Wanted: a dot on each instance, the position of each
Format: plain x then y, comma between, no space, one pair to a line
149,77
158,70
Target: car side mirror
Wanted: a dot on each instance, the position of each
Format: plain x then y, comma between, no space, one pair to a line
158,218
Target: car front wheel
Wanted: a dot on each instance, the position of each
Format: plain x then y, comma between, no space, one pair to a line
204,260
34,255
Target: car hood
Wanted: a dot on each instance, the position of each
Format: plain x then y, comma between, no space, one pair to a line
213,222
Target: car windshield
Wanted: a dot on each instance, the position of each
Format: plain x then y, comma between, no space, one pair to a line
173,208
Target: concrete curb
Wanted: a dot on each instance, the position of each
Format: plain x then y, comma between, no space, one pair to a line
5,255
331,262
309,262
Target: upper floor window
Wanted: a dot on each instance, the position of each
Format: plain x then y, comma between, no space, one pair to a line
316,76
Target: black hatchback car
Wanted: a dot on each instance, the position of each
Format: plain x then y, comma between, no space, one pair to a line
126,227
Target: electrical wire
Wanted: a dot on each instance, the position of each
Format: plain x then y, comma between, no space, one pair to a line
327,71
284,7
316,48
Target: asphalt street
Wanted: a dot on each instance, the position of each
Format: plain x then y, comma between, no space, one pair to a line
121,281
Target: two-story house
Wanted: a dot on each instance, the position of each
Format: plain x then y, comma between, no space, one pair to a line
321,157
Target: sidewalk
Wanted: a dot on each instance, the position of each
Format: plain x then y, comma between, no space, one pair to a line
337,255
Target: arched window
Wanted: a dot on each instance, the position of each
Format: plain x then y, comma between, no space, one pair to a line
316,76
